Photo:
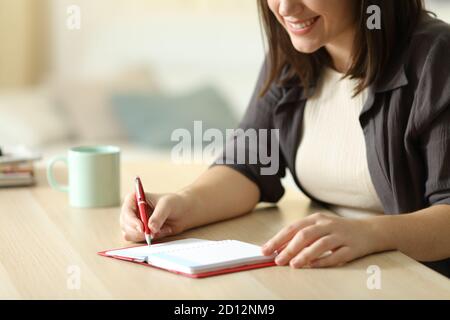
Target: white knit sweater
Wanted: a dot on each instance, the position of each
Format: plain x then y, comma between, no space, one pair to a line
331,161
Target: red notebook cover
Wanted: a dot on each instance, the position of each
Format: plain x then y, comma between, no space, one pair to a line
198,275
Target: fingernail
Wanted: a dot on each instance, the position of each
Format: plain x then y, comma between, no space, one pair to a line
299,263
153,227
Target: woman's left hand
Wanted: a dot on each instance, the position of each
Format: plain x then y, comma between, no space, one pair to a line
304,242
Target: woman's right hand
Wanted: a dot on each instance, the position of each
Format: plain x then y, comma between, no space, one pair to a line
168,218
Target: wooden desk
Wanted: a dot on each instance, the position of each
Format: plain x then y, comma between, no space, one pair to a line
41,237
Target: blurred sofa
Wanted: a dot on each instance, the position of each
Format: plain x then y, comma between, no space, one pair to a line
128,109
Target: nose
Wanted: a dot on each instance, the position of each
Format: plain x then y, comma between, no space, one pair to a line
290,7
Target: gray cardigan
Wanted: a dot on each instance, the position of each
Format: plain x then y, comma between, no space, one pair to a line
406,124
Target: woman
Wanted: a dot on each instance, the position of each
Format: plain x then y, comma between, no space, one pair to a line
363,114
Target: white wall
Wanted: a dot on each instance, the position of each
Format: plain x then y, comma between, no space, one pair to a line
440,7
186,42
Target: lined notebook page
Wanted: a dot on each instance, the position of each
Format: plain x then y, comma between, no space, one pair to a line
195,255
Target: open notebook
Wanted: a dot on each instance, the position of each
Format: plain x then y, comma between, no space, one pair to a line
195,257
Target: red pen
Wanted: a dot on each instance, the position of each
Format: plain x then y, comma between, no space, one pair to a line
143,205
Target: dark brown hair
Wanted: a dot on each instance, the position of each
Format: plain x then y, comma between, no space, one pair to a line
372,48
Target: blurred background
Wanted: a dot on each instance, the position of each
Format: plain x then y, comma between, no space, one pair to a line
132,72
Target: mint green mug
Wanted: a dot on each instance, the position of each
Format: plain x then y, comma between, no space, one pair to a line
94,176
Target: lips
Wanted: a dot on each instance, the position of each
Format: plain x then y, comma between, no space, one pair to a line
301,25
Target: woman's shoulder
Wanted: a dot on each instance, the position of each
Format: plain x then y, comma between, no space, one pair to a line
430,34
431,27
429,70
429,47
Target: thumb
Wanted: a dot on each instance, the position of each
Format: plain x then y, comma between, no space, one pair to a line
159,216
151,200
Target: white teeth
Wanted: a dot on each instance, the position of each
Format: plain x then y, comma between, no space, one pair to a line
303,25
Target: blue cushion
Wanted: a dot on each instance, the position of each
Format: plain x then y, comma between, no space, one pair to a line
150,119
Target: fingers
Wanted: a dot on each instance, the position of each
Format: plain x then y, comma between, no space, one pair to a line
130,201
301,240
339,257
160,209
285,235
131,225
164,232
130,234
315,251
128,214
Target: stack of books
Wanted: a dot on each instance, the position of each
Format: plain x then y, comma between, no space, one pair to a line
17,166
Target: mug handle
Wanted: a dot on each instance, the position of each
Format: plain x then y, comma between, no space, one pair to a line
50,176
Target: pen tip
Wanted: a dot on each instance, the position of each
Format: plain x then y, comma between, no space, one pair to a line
148,239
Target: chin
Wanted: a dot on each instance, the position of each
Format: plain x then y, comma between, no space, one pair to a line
305,47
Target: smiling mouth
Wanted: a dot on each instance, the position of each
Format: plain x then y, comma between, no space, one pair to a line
299,26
